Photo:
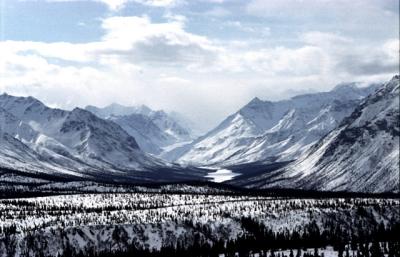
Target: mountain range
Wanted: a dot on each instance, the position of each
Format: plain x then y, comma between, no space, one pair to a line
273,131
361,154
153,130
73,144
346,139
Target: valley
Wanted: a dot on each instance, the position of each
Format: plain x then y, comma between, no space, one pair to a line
297,143
274,179
203,128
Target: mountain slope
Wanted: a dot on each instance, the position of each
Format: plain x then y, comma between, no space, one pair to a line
118,110
153,130
150,138
362,154
274,131
39,139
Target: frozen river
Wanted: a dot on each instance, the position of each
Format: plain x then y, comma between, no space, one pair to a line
222,175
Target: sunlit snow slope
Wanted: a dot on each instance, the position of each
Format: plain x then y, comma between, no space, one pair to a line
362,154
274,131
73,144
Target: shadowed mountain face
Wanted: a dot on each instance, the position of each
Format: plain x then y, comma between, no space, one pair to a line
273,131
75,144
361,154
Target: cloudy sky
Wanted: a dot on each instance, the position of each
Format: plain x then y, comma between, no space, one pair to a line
203,58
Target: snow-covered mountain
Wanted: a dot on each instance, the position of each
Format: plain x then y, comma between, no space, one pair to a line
118,110
153,130
149,137
75,143
273,131
361,154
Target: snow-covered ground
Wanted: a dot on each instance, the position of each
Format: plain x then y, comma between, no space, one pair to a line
153,220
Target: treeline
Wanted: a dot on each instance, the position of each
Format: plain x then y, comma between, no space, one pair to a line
50,186
111,209
374,241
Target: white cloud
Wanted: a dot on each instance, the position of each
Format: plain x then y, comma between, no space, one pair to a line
168,80
324,38
176,18
217,12
159,3
215,1
115,5
132,40
165,66
368,19
349,57
111,4
309,8
137,39
256,29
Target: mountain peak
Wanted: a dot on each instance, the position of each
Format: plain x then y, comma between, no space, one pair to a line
255,104
345,86
20,105
116,109
160,113
392,85
255,100
78,109
26,99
